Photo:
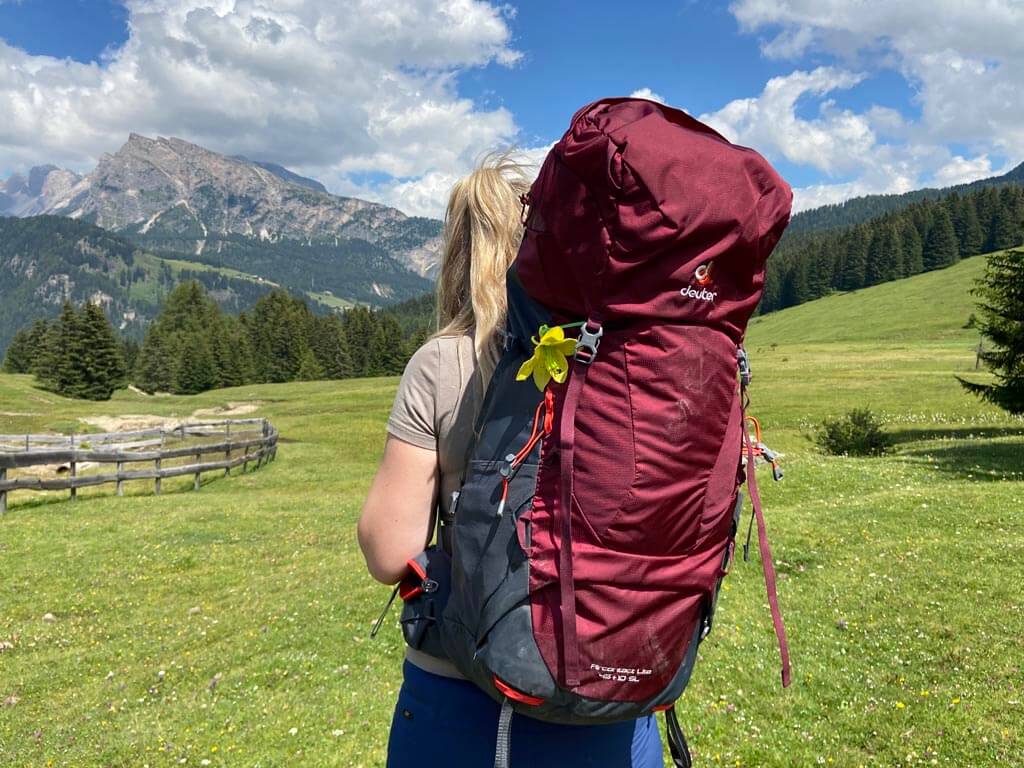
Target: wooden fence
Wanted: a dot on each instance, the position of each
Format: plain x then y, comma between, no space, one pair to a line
237,442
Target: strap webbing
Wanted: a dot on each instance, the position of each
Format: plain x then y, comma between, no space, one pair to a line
677,745
767,564
566,445
501,750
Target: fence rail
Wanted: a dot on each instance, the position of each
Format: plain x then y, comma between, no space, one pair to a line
237,442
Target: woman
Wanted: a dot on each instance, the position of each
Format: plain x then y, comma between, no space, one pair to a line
441,718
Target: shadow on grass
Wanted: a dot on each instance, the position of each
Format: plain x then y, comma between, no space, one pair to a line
982,460
952,433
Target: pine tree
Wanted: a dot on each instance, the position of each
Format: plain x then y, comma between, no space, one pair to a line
278,325
154,368
46,362
358,332
102,364
309,367
1004,232
885,256
1002,323
68,378
235,365
376,351
913,249
986,202
855,263
330,345
394,359
968,232
940,247
196,368
20,352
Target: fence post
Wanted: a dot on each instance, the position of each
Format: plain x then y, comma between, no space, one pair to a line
120,480
227,451
156,485
263,445
3,494
74,468
199,461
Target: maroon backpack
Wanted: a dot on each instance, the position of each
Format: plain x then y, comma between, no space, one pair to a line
601,502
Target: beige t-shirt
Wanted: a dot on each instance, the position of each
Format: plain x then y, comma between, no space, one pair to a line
435,408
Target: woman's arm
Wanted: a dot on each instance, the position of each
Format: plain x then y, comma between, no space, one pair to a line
397,518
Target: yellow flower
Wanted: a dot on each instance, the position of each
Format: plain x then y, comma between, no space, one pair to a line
549,357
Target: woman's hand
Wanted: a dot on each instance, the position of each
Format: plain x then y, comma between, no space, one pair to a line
398,516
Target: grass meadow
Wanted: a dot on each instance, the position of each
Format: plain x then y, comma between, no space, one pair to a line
229,626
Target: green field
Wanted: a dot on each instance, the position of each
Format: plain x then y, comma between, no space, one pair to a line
900,576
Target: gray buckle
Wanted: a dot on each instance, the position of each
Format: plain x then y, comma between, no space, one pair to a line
744,365
587,343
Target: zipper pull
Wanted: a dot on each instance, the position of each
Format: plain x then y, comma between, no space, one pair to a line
380,619
506,473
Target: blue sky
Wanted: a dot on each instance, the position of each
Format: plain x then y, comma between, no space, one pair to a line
393,100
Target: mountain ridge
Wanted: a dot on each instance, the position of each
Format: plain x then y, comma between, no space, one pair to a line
171,187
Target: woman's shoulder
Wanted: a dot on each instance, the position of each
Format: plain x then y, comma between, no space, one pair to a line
442,354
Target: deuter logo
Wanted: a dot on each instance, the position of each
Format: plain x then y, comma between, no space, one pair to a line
702,295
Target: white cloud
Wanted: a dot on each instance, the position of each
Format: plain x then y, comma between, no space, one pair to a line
330,87
965,60
835,141
960,170
427,195
647,93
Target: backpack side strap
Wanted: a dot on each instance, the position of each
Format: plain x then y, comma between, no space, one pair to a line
677,745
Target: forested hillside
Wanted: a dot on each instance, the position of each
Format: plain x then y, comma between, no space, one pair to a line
861,209
922,236
46,260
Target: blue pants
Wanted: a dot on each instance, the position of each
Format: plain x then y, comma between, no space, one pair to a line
440,722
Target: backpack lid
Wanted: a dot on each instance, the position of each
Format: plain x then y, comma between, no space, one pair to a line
633,199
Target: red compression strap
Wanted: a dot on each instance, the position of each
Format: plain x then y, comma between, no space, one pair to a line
507,690
566,441
766,557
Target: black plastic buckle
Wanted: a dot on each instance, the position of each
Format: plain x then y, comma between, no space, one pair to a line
587,343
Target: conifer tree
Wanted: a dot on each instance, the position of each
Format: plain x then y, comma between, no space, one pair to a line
196,368
885,256
278,324
940,247
235,365
22,350
68,377
48,353
154,367
102,364
330,345
393,359
376,351
358,332
913,249
1002,324
309,367
855,262
1004,232
968,229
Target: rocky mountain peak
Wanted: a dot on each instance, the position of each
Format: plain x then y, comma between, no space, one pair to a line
171,188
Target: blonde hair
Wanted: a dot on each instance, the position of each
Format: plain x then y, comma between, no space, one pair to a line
482,231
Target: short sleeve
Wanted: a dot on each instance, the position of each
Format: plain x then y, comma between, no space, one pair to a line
414,413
